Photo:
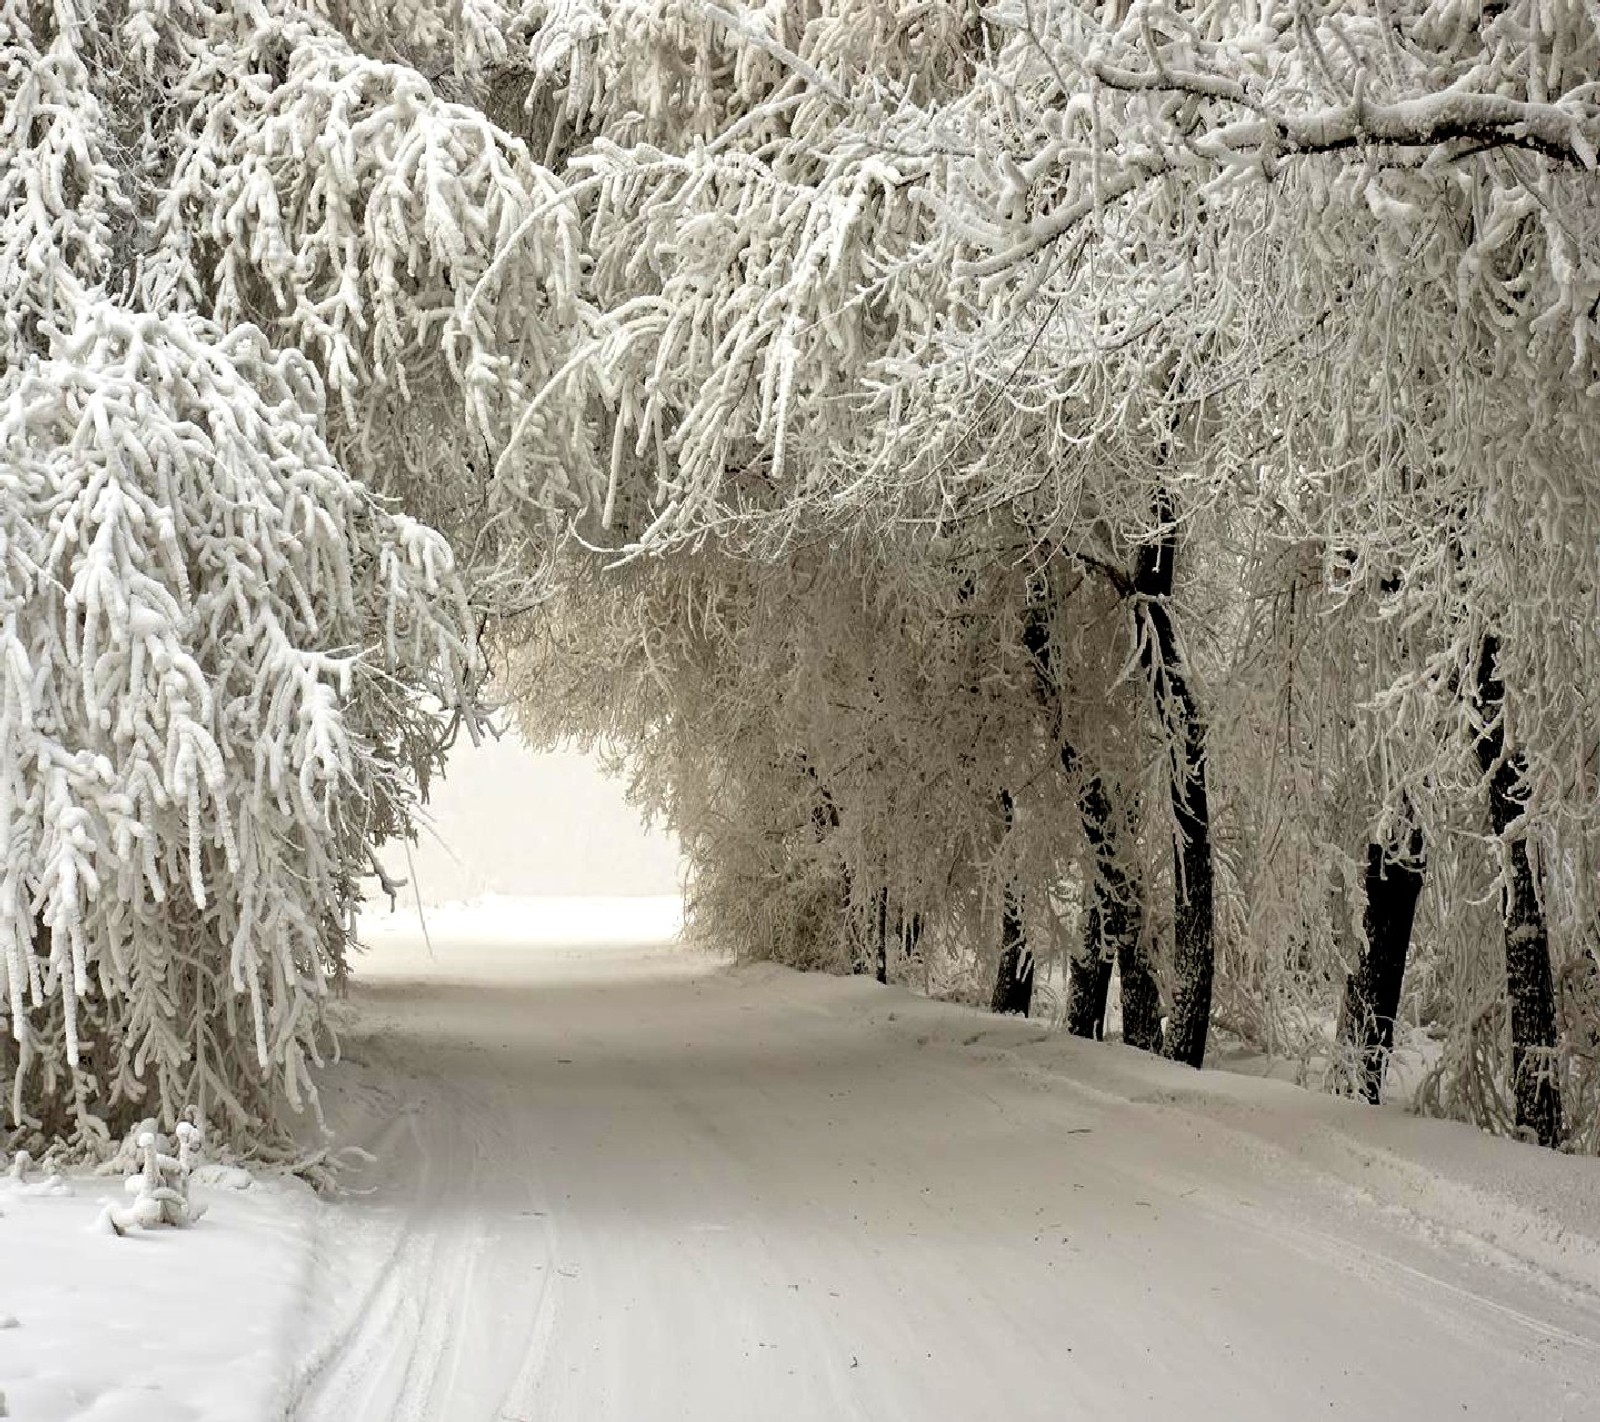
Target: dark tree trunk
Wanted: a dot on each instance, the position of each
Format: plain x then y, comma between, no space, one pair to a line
1114,927
1115,924
1141,998
880,928
1115,933
1089,973
1193,949
1089,981
1372,992
911,937
869,952
1089,984
1529,983
885,928
1013,979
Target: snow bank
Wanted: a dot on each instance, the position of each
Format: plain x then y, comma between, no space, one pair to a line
158,1326
1506,1199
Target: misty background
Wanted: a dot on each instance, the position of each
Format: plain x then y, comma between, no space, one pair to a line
510,821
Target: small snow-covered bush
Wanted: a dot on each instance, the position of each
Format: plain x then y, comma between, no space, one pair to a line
159,1186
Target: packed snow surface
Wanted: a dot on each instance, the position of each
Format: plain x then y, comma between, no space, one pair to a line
623,1181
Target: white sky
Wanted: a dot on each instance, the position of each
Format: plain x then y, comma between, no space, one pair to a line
509,821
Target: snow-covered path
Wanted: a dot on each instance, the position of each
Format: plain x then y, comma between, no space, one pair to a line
630,1184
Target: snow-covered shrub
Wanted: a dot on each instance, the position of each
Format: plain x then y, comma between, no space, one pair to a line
158,1181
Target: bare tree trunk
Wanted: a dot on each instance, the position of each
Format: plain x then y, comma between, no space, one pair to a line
881,930
1113,932
1089,978
1013,980
1372,993
1141,998
869,932
1114,935
911,936
1193,948
885,928
1089,984
1529,983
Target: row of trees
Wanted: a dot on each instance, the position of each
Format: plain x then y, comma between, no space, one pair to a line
1120,472
1099,482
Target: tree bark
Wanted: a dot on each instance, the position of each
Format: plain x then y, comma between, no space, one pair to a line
1529,981
1013,980
911,936
1372,993
1193,948
1089,984
880,928
1113,932
885,928
1140,996
1089,979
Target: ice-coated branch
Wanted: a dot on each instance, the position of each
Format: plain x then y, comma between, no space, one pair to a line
1567,133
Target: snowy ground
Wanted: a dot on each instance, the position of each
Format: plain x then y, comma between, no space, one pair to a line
622,1182
159,1326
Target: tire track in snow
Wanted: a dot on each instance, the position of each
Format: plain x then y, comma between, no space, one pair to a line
309,1379
628,1194
412,1339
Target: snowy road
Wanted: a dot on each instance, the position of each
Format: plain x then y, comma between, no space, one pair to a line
629,1184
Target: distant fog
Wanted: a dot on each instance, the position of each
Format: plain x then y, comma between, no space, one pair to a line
506,820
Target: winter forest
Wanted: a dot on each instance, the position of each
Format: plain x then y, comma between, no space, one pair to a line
1102,485
1084,510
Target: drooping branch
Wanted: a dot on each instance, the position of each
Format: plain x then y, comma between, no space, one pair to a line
1566,132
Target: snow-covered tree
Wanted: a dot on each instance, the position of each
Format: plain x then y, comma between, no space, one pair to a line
1061,456
254,284
1406,203
411,248
213,640
1143,276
